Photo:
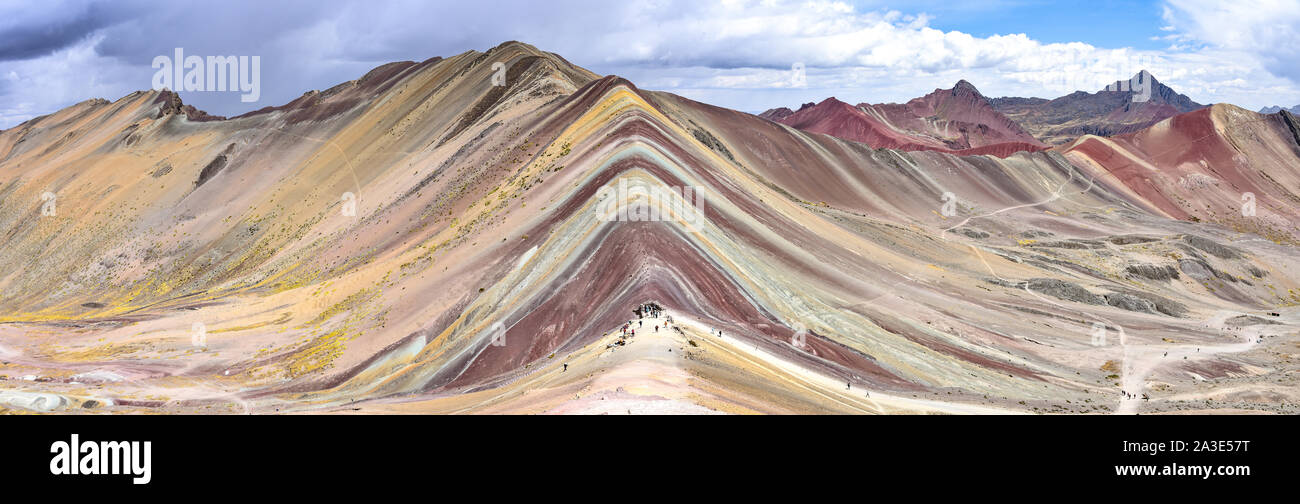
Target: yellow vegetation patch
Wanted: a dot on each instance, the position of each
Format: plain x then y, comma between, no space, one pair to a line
99,353
284,317
319,353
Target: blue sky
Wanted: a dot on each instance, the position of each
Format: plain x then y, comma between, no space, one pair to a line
732,53
1103,23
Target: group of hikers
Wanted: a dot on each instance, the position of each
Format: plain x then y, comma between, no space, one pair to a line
629,329
650,310
1127,395
654,311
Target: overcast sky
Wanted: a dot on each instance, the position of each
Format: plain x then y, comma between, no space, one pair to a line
737,54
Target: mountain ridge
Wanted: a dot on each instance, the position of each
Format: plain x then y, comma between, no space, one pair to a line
427,241
957,120
1273,109
1122,107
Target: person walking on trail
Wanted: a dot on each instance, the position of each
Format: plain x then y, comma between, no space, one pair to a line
566,367
656,327
639,323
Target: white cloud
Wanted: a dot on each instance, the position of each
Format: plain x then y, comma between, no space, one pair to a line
1266,31
733,53
846,50
41,86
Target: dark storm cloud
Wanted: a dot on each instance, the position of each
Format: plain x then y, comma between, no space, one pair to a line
211,27
32,38
305,45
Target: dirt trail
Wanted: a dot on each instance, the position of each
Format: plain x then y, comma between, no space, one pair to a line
661,372
1142,360
865,401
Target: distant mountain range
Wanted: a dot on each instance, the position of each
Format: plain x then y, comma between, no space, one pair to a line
1275,109
958,120
1123,107
962,120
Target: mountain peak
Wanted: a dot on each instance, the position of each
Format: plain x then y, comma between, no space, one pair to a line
514,44
964,89
965,86
1121,107
830,101
1142,78
170,104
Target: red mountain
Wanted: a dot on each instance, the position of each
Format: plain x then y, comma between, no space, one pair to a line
1220,164
958,120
